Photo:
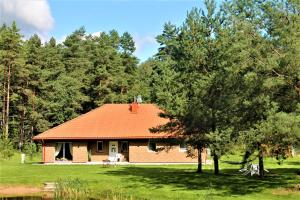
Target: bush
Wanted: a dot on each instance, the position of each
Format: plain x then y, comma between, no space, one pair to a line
71,189
6,149
30,149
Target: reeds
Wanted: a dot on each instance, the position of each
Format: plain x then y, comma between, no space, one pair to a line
71,189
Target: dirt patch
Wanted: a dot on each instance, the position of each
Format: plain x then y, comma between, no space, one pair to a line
6,190
287,191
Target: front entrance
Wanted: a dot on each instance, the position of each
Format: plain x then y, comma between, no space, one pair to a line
113,149
63,151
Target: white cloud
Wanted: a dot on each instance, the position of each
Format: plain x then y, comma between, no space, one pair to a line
96,34
142,42
32,16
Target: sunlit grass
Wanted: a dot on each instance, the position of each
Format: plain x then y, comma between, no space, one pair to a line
164,181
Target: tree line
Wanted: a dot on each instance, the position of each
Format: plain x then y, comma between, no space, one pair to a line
44,85
229,74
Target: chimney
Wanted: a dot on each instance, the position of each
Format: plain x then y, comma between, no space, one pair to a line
134,107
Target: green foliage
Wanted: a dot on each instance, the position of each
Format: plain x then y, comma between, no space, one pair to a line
228,74
6,149
71,189
30,148
51,83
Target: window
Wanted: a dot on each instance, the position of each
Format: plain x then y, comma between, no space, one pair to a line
182,146
124,146
152,146
100,146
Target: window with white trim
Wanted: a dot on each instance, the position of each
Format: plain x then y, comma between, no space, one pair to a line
100,146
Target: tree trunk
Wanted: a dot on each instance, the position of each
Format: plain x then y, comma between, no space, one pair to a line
33,110
216,164
261,162
199,170
7,104
22,131
4,101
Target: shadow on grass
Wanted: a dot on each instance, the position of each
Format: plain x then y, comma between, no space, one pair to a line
230,182
232,162
293,163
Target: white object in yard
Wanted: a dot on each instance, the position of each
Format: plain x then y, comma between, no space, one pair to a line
252,169
114,159
22,158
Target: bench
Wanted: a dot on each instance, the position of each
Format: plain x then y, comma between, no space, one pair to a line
108,163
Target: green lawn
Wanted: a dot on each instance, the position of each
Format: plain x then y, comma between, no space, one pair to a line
163,182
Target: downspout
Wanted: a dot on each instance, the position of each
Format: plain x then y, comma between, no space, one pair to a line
44,153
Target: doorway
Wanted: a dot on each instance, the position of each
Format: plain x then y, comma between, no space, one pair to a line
63,151
113,149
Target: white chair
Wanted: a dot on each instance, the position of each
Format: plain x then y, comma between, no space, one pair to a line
252,169
113,160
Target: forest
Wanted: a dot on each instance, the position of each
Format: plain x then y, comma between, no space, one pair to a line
230,74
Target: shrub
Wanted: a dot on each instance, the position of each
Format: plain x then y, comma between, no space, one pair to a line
6,149
30,149
71,189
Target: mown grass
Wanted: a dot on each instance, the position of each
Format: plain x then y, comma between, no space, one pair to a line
164,181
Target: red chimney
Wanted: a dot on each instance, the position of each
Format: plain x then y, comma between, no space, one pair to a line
134,107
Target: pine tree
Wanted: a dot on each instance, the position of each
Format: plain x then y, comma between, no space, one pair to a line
266,81
10,49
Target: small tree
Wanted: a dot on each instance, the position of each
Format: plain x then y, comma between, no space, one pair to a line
30,148
6,149
275,136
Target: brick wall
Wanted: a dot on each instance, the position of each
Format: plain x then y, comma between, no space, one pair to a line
80,153
49,152
138,152
97,156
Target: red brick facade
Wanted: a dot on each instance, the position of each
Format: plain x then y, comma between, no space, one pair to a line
80,152
49,151
138,152
98,156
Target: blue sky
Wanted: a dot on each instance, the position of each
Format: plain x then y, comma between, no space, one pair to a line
143,19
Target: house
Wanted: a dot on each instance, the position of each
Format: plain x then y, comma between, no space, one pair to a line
113,131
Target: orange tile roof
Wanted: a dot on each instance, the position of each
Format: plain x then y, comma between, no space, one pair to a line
110,121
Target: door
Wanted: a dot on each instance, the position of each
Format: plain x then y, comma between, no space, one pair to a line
113,148
63,151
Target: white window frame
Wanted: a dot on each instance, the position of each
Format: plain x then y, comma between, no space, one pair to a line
150,150
122,151
100,141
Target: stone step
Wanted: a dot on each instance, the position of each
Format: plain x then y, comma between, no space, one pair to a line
49,190
49,186
49,183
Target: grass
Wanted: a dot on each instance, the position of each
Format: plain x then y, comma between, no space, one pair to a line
71,188
163,182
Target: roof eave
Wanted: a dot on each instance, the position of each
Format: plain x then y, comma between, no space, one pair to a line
100,138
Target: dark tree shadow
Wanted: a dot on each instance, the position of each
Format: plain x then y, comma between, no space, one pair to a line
293,163
230,182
